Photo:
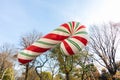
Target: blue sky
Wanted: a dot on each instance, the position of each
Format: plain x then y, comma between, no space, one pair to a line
18,17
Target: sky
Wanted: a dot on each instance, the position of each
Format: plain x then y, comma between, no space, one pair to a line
18,17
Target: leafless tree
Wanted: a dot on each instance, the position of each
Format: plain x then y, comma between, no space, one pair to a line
25,41
40,63
28,38
6,57
53,66
104,41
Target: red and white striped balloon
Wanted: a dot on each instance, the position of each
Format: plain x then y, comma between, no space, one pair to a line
72,37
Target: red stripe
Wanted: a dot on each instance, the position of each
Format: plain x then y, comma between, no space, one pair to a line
55,36
66,26
83,40
82,26
68,48
23,61
73,25
36,49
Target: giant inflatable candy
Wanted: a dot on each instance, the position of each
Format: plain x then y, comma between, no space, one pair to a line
71,36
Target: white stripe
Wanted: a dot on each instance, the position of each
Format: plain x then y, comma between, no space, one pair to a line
20,56
74,48
48,40
63,28
30,52
60,33
77,26
82,29
63,49
42,45
83,36
81,45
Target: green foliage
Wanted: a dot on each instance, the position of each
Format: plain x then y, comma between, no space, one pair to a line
85,70
8,74
67,64
46,75
58,77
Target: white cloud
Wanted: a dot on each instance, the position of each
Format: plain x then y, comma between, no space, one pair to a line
90,12
109,11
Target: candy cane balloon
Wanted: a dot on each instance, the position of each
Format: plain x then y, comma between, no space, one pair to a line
71,36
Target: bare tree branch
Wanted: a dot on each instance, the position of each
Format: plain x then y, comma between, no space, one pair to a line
104,42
